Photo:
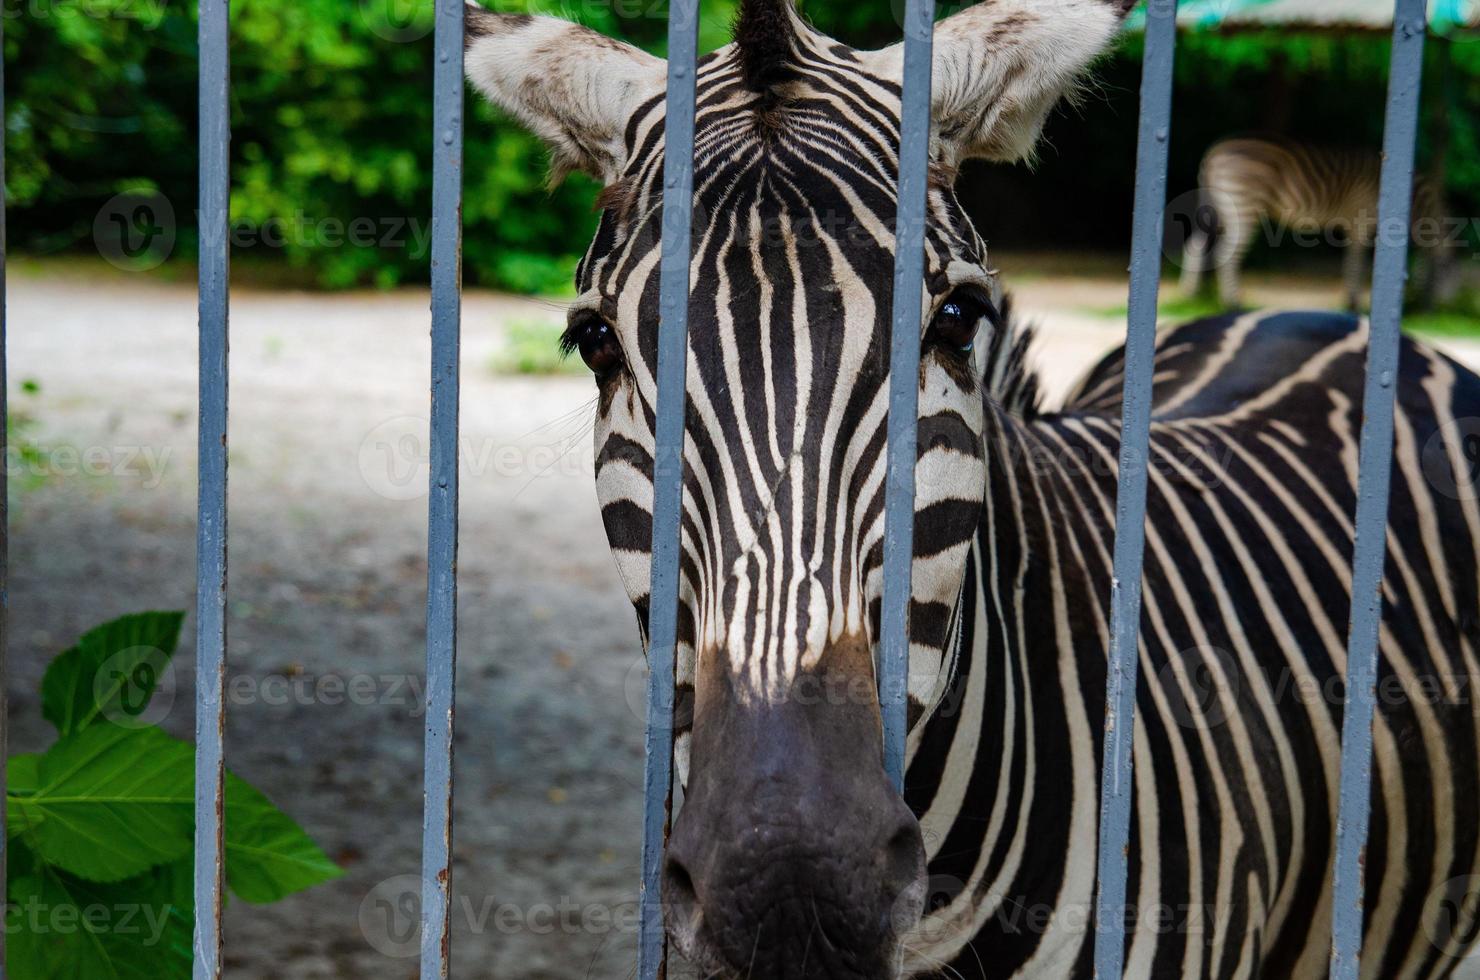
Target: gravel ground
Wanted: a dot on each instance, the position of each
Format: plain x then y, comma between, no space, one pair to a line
327,587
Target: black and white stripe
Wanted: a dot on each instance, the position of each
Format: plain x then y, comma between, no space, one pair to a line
1249,535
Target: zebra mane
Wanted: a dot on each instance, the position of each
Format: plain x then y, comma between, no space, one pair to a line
1007,377
766,42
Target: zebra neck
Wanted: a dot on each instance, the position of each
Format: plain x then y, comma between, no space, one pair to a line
1003,777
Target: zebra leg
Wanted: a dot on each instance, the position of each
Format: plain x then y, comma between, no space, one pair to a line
1194,255
1353,272
1236,235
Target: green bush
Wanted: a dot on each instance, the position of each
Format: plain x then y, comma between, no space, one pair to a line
331,124
101,825
332,131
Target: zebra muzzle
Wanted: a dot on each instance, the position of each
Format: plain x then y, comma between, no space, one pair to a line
793,858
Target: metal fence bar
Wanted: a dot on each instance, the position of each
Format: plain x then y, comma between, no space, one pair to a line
1400,130
1130,501
668,469
904,384
4,519
441,668
210,557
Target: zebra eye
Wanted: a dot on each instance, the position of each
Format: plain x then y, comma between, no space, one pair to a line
956,322
597,343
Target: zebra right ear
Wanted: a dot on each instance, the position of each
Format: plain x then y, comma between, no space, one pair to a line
573,87
1000,66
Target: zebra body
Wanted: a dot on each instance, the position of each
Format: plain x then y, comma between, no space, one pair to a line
1249,541
1253,184
792,857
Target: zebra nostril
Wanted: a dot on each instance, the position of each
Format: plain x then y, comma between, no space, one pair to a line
904,878
680,901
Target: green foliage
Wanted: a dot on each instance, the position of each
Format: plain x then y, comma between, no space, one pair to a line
1172,307
331,126
332,131
102,823
25,460
533,347
111,672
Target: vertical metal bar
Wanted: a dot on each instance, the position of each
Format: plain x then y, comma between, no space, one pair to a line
447,162
4,517
904,384
210,557
1130,500
1389,273
668,471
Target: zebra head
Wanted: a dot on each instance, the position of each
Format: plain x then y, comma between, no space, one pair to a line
792,856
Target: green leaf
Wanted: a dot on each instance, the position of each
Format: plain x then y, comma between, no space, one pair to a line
268,856
22,776
112,672
62,928
112,802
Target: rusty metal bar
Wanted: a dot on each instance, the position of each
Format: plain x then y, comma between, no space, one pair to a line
668,473
4,518
210,557
1390,272
1130,501
904,387
441,667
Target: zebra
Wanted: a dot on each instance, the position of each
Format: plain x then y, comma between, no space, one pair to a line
792,857
1249,183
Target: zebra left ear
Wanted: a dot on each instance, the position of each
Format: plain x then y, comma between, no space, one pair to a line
573,87
1001,65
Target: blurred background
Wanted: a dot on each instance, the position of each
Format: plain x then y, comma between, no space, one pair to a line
332,135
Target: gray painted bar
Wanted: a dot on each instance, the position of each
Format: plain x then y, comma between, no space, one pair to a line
668,470
904,387
1130,501
4,517
210,556
447,164
1400,131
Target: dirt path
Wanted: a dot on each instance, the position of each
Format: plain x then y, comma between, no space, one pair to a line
329,400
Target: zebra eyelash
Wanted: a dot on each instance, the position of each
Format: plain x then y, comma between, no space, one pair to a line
570,339
979,296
